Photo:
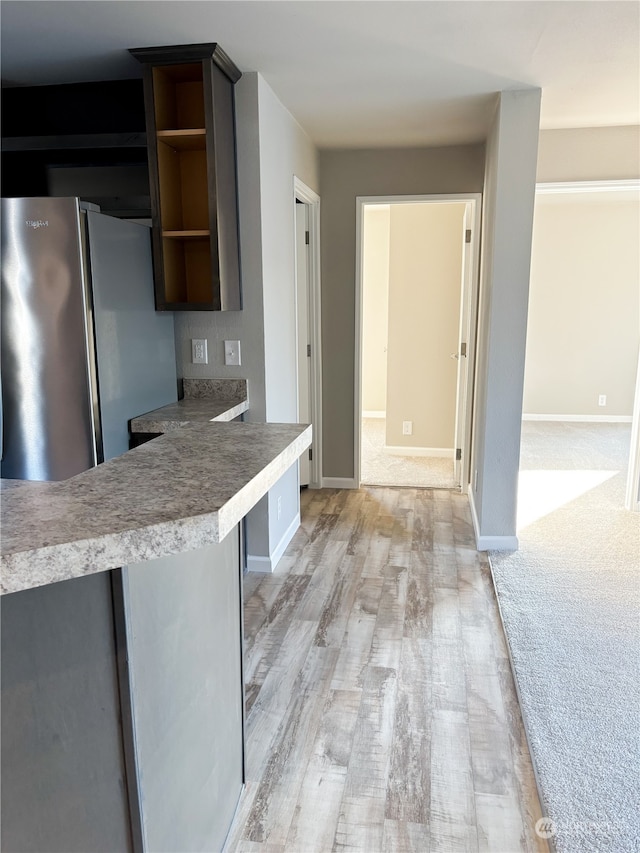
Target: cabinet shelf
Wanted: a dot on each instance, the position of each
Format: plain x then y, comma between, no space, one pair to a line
182,140
189,103
185,235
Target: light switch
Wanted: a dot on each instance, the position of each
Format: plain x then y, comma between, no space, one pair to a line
199,351
232,352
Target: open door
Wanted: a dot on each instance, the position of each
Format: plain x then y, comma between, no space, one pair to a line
304,348
632,499
463,355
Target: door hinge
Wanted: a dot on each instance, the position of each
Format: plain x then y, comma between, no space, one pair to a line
310,454
306,238
463,350
309,350
467,235
458,454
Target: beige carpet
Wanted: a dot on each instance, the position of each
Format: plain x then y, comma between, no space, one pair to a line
380,468
570,601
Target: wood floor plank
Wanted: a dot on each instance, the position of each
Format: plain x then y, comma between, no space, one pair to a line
355,650
317,808
382,710
500,828
418,615
273,700
408,785
489,737
332,621
263,651
402,836
530,807
386,645
322,579
453,817
361,821
275,799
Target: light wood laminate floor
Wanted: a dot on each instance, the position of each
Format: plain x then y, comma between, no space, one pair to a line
381,710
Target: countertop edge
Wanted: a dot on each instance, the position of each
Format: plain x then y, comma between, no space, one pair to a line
155,422
28,569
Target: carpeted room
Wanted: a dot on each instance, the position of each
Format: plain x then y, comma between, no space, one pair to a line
570,597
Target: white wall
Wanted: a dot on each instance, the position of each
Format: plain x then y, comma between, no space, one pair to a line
589,154
583,330
510,177
425,273
285,152
375,306
272,148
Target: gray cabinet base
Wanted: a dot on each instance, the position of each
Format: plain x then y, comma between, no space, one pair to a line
122,708
183,634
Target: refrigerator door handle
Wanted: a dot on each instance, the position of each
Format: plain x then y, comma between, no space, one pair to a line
1,423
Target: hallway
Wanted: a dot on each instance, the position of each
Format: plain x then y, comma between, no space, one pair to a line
381,711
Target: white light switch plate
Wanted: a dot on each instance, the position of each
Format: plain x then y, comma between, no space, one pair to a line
232,352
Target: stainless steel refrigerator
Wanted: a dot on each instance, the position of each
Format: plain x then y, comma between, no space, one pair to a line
83,349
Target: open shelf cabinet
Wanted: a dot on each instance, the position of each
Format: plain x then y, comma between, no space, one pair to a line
189,103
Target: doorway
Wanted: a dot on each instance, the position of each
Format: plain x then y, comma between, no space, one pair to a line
308,328
416,296
580,422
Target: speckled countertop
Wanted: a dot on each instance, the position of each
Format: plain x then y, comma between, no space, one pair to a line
204,400
179,492
188,411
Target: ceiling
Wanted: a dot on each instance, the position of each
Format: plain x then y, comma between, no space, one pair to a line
360,73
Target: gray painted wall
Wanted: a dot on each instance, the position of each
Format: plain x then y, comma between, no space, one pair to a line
272,149
508,203
184,652
346,174
63,776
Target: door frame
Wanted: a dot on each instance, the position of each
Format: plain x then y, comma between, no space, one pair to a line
311,199
473,281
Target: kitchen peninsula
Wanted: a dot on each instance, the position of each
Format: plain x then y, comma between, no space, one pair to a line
122,707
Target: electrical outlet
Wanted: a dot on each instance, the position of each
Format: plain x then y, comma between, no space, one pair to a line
232,352
199,351
279,506
602,400
407,427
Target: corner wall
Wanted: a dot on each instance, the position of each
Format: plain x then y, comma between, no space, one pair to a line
508,202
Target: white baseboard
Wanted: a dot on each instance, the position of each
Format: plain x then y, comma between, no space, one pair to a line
489,543
339,483
374,414
259,564
268,564
587,419
439,452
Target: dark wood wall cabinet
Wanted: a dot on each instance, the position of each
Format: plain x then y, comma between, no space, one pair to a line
78,139
190,118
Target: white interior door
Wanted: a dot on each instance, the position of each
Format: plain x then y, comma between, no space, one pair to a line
304,359
463,346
